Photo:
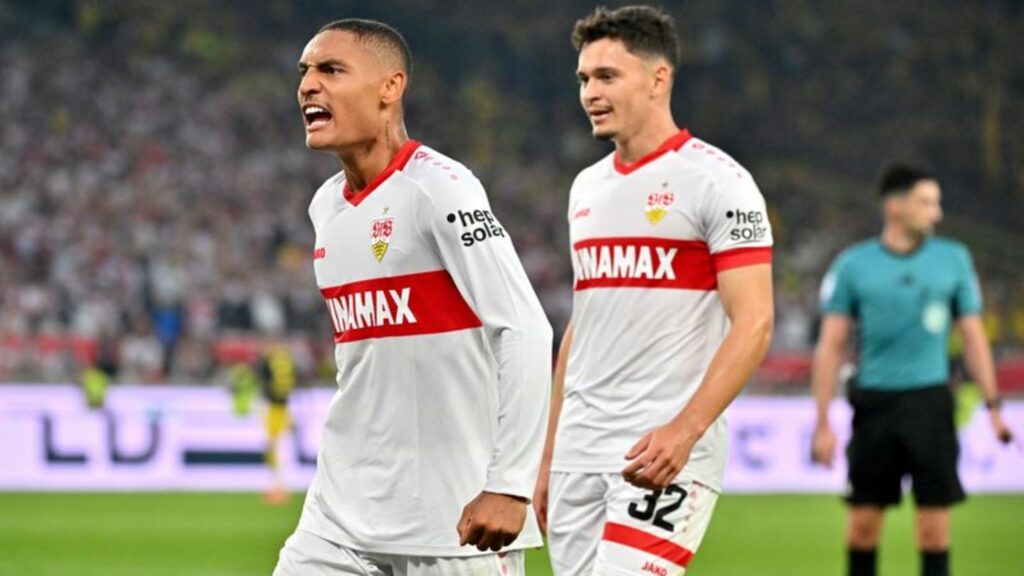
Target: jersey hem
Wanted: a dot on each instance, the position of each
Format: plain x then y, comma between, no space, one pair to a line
418,550
902,386
591,468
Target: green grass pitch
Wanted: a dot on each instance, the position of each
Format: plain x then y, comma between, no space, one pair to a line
181,534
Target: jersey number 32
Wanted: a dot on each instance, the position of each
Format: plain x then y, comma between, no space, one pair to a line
649,510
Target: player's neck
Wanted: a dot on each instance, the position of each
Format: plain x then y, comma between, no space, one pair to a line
898,239
646,140
365,161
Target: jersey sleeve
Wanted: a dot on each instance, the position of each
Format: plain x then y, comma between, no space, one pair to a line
967,297
735,222
478,253
837,291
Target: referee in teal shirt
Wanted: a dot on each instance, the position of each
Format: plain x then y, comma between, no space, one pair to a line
904,291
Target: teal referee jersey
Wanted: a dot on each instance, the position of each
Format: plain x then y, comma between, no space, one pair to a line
904,306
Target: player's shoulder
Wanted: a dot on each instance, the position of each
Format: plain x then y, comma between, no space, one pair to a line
860,253
594,173
437,174
951,251
946,244
325,197
599,169
698,155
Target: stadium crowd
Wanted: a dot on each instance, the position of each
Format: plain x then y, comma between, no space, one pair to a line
153,196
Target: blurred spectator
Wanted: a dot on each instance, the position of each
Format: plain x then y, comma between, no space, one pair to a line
141,355
154,183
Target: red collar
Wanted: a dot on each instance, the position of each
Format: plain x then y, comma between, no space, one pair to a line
674,143
397,163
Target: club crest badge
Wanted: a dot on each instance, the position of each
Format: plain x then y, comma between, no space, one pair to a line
380,236
658,204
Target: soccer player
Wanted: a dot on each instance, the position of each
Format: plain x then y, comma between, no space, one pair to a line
432,443
672,312
903,290
277,372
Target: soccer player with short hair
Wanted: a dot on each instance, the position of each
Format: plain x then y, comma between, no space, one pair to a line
672,312
432,443
904,291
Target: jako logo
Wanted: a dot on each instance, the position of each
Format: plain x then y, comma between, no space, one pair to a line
320,253
481,223
748,225
655,569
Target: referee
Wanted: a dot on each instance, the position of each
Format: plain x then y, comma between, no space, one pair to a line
904,291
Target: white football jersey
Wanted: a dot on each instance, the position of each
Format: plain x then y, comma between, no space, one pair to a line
648,240
443,355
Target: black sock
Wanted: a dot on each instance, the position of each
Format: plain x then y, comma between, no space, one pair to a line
935,563
861,562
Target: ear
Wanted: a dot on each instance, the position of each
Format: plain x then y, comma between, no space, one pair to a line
393,88
662,85
891,205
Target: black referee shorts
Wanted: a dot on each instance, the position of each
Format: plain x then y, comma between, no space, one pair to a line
896,434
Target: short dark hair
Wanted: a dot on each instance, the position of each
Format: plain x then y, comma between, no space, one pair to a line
900,177
643,29
378,34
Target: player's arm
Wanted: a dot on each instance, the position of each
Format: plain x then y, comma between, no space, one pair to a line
978,357
829,355
491,278
540,494
977,352
840,307
746,294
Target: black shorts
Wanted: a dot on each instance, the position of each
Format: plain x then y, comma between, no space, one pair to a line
896,434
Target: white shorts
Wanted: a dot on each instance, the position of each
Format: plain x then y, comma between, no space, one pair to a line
305,554
600,525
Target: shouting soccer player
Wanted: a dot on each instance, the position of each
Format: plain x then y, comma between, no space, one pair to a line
432,443
672,313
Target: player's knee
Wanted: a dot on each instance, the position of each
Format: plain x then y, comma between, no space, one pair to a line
932,538
863,533
932,529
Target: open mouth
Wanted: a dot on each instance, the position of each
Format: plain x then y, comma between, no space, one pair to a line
599,114
315,116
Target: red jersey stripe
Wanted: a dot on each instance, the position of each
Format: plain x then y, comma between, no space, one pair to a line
640,540
739,257
638,262
674,143
397,163
408,305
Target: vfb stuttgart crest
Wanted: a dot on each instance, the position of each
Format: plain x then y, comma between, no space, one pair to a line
658,204
380,236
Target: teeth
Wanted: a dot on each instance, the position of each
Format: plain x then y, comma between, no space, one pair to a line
315,110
